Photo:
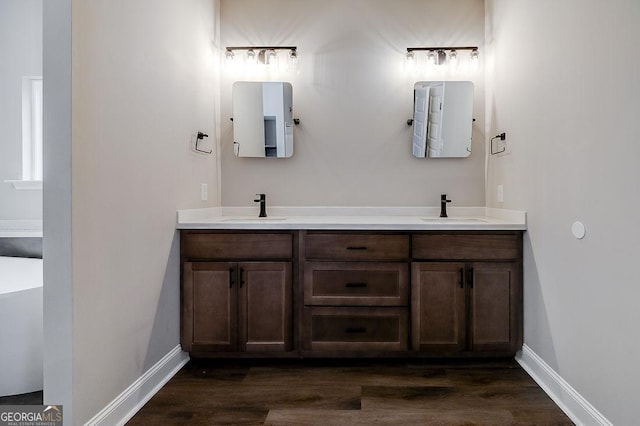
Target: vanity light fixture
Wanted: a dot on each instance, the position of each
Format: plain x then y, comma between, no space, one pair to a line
438,55
266,55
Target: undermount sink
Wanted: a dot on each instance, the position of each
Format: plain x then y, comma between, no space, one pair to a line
252,219
454,219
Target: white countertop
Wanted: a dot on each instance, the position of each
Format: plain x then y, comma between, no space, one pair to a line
353,218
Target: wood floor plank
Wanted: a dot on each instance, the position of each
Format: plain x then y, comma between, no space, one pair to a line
415,397
395,375
511,376
221,416
388,417
540,416
224,372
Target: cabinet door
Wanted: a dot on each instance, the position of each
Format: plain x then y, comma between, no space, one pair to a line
209,307
265,306
496,320
438,307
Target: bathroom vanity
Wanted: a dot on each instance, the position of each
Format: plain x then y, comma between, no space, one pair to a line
369,286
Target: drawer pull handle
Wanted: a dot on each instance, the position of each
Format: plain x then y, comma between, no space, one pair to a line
356,330
356,248
355,285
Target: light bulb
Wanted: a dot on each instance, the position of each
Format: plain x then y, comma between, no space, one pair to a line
292,60
271,58
251,55
230,64
475,59
441,58
410,61
453,59
431,58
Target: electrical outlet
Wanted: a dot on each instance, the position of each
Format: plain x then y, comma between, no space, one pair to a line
500,193
204,192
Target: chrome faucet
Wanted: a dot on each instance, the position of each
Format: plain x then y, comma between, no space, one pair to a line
443,205
262,199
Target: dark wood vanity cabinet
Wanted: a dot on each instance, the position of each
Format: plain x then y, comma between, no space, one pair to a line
356,292
347,293
231,303
467,293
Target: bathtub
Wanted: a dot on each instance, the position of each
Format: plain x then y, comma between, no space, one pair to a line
21,340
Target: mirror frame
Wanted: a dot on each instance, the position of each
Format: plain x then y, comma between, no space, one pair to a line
442,124
262,119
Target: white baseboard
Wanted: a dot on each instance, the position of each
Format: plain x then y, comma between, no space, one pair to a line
127,404
579,410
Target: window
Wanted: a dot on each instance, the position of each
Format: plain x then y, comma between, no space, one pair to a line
32,128
31,135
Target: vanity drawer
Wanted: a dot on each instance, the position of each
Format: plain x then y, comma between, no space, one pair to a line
463,246
356,284
345,246
254,246
356,329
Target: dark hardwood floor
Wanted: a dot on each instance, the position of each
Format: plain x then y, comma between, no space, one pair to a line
344,392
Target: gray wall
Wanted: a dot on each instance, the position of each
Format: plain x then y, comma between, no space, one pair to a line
57,222
21,53
564,86
353,146
118,166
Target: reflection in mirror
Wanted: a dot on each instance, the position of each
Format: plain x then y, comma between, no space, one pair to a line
442,119
262,119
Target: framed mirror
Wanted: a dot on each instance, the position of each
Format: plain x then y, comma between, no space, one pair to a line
442,119
262,119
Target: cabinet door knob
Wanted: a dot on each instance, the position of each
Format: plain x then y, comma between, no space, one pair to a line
461,277
356,330
231,274
356,248
241,277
